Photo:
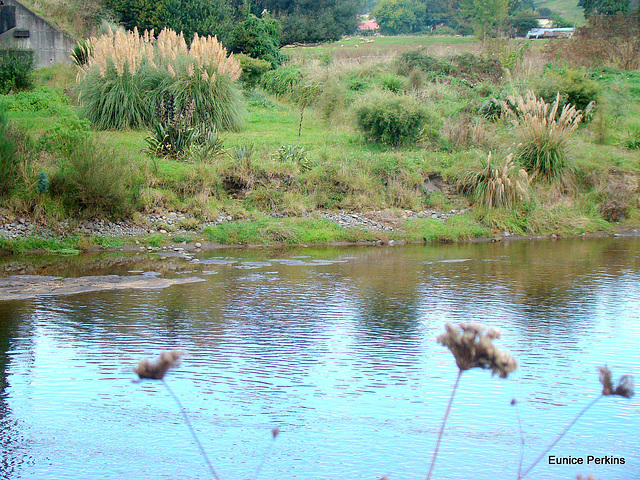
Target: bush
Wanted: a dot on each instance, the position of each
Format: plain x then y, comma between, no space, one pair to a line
393,83
252,69
495,185
432,65
15,70
41,99
66,135
391,119
258,38
574,86
93,180
8,159
543,134
282,81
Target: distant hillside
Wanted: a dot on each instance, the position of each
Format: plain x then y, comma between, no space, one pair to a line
568,9
78,18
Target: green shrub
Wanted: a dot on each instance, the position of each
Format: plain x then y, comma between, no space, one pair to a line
65,135
574,85
427,63
391,119
393,83
93,180
41,99
258,37
15,70
295,154
252,69
8,158
476,68
281,81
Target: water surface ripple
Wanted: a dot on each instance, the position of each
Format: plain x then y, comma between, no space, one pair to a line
336,347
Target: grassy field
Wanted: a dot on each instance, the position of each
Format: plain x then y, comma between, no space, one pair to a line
265,169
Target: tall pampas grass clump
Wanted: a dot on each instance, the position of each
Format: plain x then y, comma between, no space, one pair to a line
494,184
128,73
543,133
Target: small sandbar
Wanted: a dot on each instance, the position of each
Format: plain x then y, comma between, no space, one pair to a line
20,287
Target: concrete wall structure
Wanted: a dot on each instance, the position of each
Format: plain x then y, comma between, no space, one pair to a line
49,44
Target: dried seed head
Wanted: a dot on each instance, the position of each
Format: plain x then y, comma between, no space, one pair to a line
471,346
624,387
275,432
157,368
590,477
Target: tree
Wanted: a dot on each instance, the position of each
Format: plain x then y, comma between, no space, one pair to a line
258,38
604,7
399,16
205,17
484,14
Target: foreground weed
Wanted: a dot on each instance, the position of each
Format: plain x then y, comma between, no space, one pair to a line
156,370
472,347
624,388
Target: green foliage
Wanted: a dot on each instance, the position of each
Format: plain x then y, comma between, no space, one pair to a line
574,85
311,22
8,159
42,99
633,141
282,81
205,17
81,53
42,183
604,7
66,135
258,38
295,154
93,180
252,69
113,101
391,119
16,67
399,16
219,102
484,15
467,66
393,83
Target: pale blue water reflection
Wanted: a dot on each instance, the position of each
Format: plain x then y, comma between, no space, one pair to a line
336,347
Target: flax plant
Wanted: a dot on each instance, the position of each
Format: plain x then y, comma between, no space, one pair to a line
496,185
543,133
472,347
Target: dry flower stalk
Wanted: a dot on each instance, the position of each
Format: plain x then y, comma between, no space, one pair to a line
472,346
624,387
157,368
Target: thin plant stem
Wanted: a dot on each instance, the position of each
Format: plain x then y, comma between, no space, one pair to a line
515,404
193,432
444,420
560,436
264,459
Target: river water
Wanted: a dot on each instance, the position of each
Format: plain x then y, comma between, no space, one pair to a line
335,347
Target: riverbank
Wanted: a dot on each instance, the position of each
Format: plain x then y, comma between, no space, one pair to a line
174,231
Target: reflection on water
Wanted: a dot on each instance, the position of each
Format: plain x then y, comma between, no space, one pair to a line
334,346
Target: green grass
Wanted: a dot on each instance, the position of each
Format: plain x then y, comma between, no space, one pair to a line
287,231
460,227
65,246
